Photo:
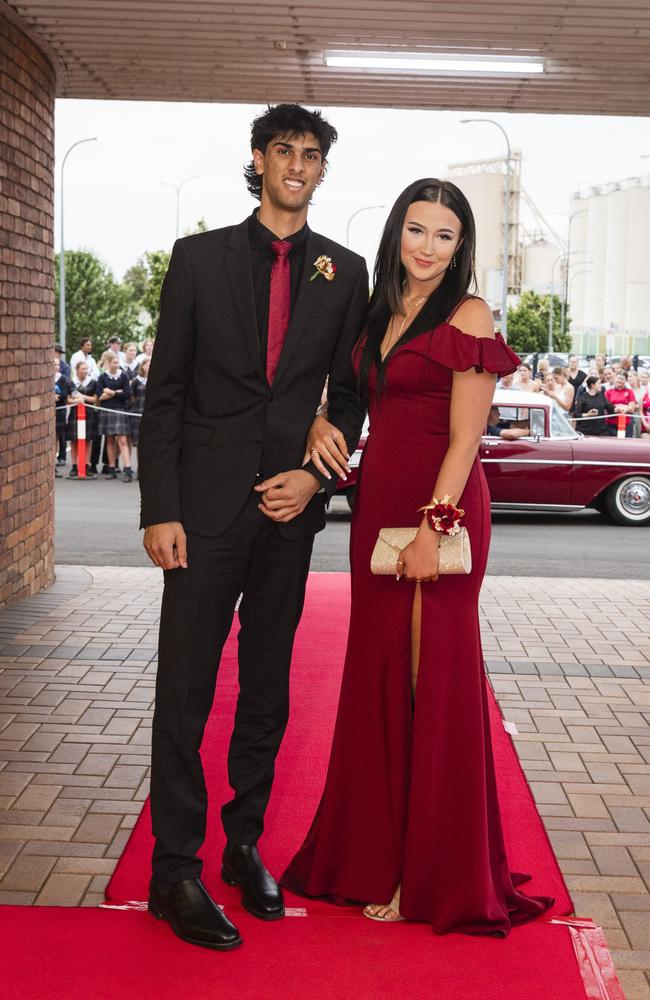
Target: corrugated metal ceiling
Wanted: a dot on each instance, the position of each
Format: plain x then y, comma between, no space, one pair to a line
597,53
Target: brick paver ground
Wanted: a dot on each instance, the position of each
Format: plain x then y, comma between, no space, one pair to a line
569,662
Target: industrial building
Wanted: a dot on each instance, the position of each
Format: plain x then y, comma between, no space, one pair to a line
609,292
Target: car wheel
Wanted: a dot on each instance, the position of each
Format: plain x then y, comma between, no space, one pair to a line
350,495
600,504
628,501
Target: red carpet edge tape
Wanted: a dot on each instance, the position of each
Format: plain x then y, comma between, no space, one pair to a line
593,958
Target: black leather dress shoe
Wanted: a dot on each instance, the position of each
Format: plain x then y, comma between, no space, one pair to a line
261,894
192,914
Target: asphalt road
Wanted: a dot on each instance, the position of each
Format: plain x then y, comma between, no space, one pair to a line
97,524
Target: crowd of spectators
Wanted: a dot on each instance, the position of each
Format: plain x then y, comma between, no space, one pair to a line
113,392
593,399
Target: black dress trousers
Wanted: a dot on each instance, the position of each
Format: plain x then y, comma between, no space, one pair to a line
254,559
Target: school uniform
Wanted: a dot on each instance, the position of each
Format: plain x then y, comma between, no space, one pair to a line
136,406
113,416
88,388
62,390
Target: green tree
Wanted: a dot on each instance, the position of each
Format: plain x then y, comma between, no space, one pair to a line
136,279
147,274
156,263
528,324
200,227
96,305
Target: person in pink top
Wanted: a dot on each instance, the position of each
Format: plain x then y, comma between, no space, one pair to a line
624,401
645,412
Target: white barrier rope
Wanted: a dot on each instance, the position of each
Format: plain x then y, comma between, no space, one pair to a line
604,416
91,406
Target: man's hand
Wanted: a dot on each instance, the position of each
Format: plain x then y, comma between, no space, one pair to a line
166,544
327,448
286,495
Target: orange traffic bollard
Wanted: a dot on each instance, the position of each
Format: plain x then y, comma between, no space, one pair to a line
622,422
81,440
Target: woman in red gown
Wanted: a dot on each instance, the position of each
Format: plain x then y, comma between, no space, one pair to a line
409,819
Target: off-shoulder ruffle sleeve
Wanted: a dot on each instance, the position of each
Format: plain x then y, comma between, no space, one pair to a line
451,347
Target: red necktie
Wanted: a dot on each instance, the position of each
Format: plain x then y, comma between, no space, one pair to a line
279,305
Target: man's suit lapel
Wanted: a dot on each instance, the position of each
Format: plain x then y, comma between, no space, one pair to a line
240,274
308,295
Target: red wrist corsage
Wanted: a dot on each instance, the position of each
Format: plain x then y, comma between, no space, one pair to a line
443,515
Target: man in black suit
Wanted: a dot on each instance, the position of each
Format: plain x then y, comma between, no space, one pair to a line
253,319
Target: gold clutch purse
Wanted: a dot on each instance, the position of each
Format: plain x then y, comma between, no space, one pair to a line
454,550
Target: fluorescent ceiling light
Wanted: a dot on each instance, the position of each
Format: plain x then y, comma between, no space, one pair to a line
450,63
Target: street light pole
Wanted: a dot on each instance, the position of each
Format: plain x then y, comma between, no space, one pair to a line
550,311
62,329
365,208
565,298
506,225
578,274
550,304
177,188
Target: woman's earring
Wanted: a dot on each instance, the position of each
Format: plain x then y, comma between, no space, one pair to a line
453,262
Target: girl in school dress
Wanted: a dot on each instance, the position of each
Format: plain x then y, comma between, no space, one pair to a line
131,363
83,390
114,391
136,405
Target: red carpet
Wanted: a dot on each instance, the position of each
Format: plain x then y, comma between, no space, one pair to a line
320,952
302,763
95,954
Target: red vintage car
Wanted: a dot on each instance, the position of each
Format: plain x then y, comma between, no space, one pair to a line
554,467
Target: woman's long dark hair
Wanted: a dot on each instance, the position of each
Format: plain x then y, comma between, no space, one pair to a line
389,274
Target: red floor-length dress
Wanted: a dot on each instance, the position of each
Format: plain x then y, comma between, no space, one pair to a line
410,794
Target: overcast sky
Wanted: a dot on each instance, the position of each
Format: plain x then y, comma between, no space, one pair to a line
116,205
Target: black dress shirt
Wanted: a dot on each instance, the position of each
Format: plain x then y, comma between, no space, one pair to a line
262,258
586,402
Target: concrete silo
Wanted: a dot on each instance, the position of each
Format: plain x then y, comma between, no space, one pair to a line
610,294
637,266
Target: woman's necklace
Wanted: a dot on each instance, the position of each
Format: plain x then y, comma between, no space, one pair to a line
393,340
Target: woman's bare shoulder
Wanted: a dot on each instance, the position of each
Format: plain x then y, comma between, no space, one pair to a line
474,317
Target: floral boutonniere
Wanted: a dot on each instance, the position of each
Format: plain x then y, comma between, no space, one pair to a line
325,267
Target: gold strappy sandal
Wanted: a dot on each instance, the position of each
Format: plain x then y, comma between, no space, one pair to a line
393,905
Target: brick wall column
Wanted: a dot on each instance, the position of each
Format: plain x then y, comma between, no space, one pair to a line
27,90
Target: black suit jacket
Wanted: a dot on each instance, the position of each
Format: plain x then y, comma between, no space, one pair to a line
211,421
